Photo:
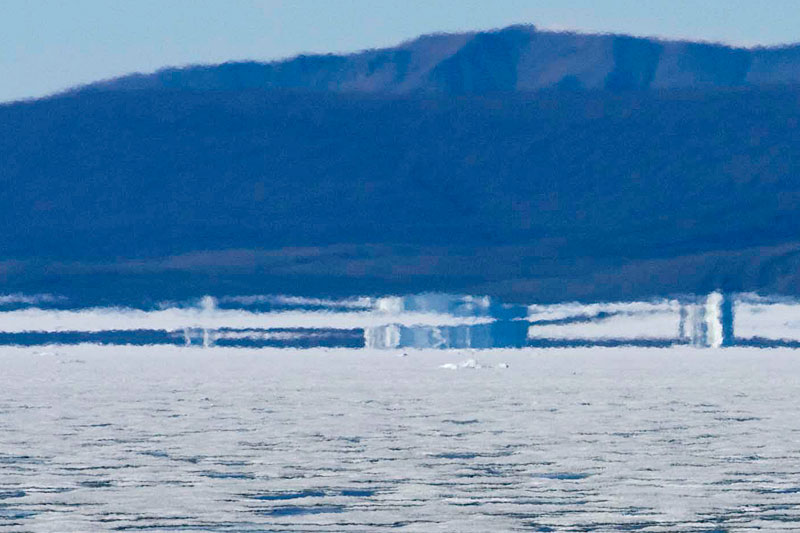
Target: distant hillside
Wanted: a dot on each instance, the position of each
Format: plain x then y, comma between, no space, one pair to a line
518,58
550,195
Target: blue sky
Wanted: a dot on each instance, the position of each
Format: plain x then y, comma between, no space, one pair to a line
49,45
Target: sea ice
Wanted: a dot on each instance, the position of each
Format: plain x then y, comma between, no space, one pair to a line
582,439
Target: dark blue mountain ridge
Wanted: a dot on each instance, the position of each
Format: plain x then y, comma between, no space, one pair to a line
549,194
518,58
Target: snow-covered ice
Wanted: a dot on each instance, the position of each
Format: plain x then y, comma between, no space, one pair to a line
581,439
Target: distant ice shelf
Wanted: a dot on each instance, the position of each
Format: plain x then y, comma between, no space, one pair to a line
414,321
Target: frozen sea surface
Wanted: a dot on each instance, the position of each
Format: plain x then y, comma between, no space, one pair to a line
188,439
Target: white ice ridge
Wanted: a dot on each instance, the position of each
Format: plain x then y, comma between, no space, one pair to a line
210,317
659,324
696,320
571,309
470,364
28,299
422,303
777,321
361,302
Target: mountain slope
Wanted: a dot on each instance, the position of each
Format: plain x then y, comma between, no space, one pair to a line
518,58
551,195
